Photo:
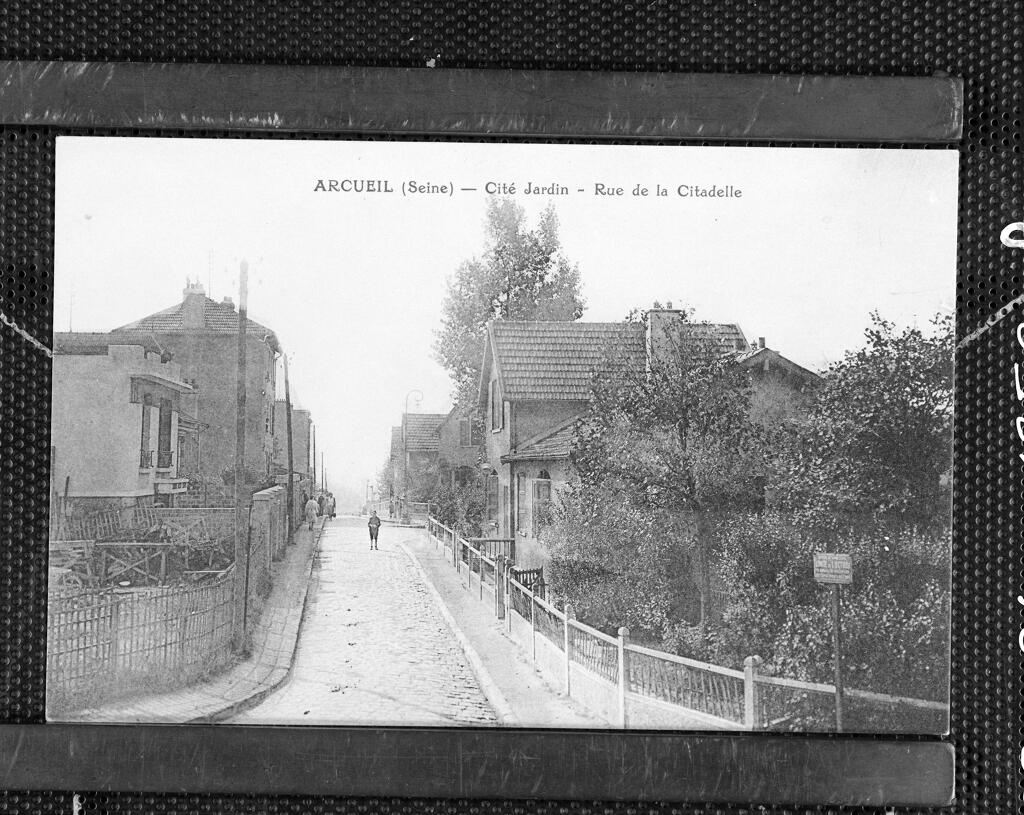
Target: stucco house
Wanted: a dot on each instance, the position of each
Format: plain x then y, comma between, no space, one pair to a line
459,448
120,420
202,337
414,455
302,434
535,385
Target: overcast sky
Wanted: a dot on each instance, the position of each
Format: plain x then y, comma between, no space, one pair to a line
352,284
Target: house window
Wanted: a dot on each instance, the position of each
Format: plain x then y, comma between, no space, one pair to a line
522,520
145,455
541,502
506,505
495,398
469,433
163,444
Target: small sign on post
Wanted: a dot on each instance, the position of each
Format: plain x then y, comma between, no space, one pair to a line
835,570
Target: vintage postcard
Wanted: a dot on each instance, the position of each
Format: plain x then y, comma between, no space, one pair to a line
501,435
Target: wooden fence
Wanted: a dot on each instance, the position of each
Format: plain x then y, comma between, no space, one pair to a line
99,643
102,641
630,684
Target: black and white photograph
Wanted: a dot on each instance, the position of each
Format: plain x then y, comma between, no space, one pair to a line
464,434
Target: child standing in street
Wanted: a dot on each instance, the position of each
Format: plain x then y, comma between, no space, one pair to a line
374,525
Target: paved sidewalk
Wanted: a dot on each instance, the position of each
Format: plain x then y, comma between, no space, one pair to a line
245,683
375,648
531,700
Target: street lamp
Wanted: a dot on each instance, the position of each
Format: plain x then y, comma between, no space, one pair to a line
418,394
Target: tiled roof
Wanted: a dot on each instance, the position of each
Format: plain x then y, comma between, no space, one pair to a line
221,317
554,444
97,343
421,431
719,339
555,360
754,356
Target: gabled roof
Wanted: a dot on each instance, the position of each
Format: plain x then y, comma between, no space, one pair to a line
555,360
218,317
757,356
97,343
421,431
553,444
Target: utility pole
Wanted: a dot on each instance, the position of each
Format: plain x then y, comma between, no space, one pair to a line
323,472
241,519
291,463
313,487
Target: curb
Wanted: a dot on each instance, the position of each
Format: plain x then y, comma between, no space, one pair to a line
494,696
249,702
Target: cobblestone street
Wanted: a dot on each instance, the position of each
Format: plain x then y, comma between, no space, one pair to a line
374,647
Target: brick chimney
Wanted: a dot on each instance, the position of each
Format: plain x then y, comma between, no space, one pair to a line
193,305
662,328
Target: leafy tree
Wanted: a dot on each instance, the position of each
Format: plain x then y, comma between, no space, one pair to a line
460,507
676,441
522,275
877,448
694,468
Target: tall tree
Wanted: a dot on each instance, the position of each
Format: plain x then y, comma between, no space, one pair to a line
522,275
878,444
677,442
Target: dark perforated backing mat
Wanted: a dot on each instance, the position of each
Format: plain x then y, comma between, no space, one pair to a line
979,41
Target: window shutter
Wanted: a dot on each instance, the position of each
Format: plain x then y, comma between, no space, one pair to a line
541,503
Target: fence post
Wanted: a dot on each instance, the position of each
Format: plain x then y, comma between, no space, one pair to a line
570,615
533,624
751,693
623,674
480,574
499,587
508,598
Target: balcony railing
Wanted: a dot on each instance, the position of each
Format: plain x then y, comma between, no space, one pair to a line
145,459
164,459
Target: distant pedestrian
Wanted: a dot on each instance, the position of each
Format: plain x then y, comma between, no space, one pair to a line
312,510
374,525
329,505
320,502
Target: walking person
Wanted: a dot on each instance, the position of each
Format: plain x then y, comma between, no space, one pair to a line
312,510
330,505
374,525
